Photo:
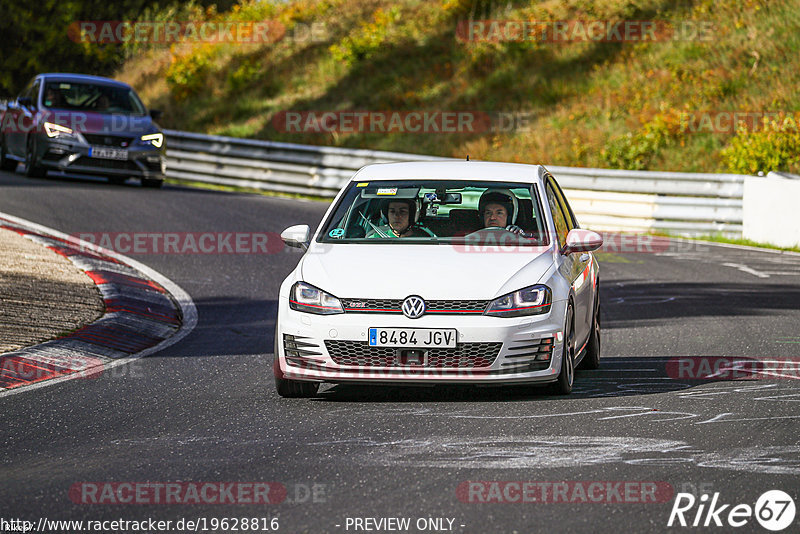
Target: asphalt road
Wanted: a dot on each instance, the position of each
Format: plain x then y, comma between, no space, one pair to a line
205,409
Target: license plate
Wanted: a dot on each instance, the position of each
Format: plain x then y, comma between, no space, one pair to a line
107,153
413,337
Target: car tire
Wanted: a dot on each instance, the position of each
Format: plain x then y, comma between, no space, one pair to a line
5,163
294,389
32,170
591,359
148,182
563,385
291,389
117,180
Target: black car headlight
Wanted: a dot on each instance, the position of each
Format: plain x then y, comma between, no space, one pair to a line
307,298
533,300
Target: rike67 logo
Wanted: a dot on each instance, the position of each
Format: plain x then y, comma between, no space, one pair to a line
774,510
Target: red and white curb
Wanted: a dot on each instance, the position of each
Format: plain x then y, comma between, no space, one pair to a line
145,313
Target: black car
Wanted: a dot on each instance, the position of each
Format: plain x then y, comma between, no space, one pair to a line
83,124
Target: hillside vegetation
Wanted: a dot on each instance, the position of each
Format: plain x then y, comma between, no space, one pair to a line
642,104
39,37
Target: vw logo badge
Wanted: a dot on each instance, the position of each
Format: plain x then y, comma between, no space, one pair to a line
413,307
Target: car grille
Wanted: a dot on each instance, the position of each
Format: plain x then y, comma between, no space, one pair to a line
464,356
527,355
442,307
108,140
154,166
299,350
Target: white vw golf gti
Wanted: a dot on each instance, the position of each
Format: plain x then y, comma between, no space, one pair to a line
440,272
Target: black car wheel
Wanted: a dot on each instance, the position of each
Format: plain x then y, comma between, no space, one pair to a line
563,385
591,360
5,163
32,169
148,182
294,389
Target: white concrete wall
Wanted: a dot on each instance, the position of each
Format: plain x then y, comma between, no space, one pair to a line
771,209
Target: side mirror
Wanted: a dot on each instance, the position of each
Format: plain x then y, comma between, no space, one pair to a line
296,236
155,114
25,101
582,241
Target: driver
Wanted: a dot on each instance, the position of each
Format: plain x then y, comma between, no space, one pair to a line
402,214
499,208
52,98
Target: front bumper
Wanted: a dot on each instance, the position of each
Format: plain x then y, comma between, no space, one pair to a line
490,350
71,156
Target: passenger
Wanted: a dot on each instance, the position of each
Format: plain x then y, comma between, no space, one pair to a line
499,208
52,98
402,215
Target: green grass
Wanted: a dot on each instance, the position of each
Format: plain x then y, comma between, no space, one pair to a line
238,189
610,257
593,104
744,242
717,238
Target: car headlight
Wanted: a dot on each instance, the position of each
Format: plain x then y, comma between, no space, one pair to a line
307,298
56,130
156,139
533,300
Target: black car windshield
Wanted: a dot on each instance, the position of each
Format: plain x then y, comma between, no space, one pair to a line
436,211
92,97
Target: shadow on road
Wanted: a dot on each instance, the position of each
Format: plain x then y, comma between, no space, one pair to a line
617,377
631,303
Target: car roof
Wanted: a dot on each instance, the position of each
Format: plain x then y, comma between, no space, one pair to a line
80,78
489,171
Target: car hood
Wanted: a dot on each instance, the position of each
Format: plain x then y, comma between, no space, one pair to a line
441,272
101,123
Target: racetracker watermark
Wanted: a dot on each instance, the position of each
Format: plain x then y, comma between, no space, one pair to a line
490,241
733,368
170,32
302,370
134,243
728,122
20,370
77,121
404,122
355,121
571,31
565,491
172,493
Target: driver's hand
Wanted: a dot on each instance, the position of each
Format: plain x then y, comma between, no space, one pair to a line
514,229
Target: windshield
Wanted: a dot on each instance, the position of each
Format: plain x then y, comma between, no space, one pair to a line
92,97
431,211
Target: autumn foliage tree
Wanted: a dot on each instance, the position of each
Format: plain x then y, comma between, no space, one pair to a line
35,37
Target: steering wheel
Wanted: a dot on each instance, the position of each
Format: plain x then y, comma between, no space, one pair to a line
489,229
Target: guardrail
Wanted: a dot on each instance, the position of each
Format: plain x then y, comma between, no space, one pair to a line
603,199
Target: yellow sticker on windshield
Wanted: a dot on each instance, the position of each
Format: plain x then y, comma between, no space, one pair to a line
362,184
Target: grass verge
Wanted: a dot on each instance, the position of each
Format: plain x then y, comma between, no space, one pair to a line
237,189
